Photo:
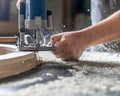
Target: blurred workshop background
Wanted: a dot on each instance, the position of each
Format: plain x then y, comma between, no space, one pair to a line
67,15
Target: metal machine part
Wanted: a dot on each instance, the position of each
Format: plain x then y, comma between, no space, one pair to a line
35,25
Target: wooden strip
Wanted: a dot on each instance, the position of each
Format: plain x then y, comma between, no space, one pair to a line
8,39
14,62
16,68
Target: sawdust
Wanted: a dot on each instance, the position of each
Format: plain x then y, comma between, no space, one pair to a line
88,77
63,80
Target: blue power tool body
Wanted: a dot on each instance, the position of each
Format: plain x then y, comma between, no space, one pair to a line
35,25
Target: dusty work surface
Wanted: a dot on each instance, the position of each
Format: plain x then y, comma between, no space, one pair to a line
97,74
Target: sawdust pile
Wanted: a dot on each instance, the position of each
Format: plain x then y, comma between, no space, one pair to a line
84,78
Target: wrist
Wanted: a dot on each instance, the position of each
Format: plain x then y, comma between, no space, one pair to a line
90,36
84,38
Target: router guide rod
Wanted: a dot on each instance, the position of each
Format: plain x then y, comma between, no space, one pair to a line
35,24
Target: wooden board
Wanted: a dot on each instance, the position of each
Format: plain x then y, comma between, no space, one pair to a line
13,61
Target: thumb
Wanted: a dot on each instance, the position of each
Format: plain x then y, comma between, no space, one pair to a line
56,38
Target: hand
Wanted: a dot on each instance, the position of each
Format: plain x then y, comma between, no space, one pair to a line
69,45
18,3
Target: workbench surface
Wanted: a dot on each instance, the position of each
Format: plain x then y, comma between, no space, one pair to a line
97,74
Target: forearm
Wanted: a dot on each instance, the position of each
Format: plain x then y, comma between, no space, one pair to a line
105,31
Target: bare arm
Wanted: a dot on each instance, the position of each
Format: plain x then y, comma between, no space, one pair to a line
72,44
105,31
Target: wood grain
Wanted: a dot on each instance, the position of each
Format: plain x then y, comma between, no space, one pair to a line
13,61
8,39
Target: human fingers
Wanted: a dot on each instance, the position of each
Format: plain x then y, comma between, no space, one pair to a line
62,51
66,55
59,49
66,52
56,37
